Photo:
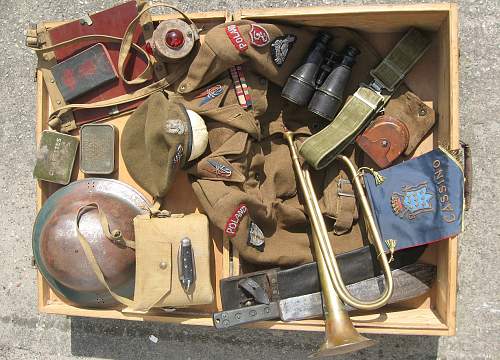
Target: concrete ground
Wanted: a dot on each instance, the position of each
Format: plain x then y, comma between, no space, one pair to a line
25,334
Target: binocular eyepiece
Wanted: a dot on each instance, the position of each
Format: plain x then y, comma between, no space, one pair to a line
319,83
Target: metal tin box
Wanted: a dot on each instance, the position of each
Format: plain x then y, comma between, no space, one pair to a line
97,149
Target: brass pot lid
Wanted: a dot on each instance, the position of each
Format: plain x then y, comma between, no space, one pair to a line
57,250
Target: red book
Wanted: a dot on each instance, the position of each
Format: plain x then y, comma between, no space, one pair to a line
113,22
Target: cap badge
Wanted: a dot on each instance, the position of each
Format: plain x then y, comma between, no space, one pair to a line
175,126
413,200
219,169
280,48
234,34
233,222
259,36
210,93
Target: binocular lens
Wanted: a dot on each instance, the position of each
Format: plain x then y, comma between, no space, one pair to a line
324,105
297,91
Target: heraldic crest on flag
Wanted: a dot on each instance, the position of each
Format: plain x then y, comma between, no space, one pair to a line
413,201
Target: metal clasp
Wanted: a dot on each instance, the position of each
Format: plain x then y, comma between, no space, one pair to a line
342,192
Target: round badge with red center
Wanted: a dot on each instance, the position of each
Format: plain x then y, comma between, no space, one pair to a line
259,36
173,40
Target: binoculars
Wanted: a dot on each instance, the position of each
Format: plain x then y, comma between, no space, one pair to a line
319,83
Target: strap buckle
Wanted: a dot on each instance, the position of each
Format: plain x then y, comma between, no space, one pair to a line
342,192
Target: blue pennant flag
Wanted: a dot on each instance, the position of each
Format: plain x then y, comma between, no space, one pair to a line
419,201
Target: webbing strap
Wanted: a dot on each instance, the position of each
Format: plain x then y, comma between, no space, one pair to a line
90,254
401,59
126,46
321,149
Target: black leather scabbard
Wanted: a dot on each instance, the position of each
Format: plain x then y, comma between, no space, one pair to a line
355,266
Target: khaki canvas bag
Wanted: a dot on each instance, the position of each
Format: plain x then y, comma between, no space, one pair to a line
157,242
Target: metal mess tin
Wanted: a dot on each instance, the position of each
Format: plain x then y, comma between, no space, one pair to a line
97,149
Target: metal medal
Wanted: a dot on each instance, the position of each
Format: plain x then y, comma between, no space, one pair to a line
97,149
55,157
280,48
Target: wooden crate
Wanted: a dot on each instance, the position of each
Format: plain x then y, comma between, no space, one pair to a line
434,79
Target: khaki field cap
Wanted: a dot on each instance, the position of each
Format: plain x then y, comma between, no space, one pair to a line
160,137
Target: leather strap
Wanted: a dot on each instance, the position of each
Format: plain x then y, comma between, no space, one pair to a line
114,236
63,109
320,149
37,36
346,206
355,266
146,22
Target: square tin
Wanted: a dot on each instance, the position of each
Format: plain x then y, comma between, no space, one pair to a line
97,149
55,157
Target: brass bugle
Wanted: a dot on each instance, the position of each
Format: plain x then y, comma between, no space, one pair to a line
341,336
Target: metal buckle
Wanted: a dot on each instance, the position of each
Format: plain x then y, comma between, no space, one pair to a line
341,192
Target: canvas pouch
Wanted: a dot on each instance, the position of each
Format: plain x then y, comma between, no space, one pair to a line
157,241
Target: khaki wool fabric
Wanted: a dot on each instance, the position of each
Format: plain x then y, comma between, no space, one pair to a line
156,141
247,161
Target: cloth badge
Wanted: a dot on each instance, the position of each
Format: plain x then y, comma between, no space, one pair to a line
419,201
179,152
256,237
219,169
280,48
259,36
233,223
175,126
234,34
210,93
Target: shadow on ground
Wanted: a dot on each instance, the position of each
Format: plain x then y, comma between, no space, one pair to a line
118,339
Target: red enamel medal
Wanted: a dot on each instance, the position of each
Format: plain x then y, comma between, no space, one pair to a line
259,36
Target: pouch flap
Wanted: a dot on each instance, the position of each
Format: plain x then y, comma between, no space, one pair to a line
153,263
157,273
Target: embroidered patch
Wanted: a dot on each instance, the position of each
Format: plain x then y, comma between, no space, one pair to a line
219,169
259,36
209,94
179,152
234,34
413,201
175,126
234,221
256,237
280,48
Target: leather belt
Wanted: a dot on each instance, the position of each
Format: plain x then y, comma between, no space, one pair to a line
355,266
321,149
412,281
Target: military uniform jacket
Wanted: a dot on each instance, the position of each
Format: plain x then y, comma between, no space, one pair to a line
245,181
